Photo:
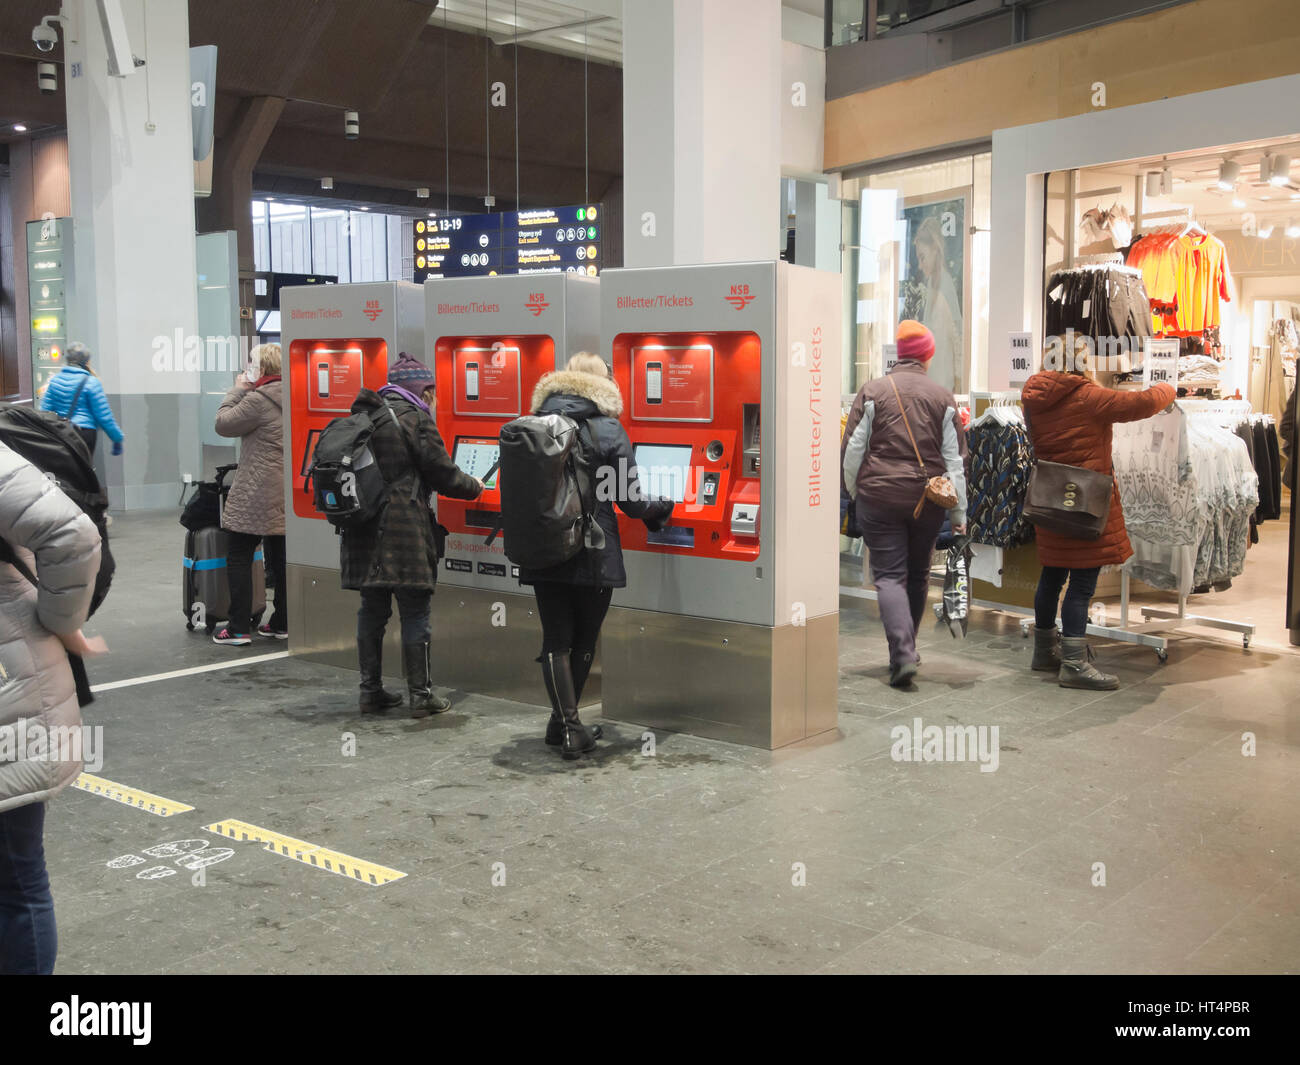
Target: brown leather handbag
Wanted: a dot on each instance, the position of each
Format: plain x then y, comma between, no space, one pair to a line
1068,500
938,490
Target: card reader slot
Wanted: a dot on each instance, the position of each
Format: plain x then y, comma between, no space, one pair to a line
481,519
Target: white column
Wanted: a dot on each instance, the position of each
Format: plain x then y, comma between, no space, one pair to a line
130,155
701,130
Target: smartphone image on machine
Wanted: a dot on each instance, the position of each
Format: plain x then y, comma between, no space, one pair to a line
323,379
471,381
654,389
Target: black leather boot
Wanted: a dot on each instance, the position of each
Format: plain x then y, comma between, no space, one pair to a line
374,697
424,701
580,665
557,672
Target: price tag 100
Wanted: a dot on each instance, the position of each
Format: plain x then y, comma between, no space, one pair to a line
1020,358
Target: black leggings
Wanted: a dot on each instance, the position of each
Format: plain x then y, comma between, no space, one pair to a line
1074,611
571,615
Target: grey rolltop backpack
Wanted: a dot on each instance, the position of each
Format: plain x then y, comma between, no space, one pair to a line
547,492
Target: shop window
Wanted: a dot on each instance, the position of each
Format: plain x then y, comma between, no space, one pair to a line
923,253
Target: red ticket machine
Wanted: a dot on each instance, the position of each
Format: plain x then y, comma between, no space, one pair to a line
337,339
491,339
728,626
692,413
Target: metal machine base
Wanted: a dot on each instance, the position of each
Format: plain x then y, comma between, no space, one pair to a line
749,684
470,652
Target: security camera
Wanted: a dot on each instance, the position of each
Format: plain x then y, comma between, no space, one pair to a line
47,78
45,36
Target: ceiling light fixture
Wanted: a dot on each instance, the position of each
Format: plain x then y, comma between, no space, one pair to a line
351,125
1153,183
327,182
19,128
1229,171
421,194
1280,172
1292,230
1166,182
1238,202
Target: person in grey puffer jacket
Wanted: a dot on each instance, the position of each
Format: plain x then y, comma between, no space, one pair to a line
38,629
253,410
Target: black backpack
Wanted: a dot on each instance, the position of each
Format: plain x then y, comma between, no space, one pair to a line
348,487
52,444
203,510
547,503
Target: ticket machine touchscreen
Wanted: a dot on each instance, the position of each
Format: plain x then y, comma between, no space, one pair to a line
477,456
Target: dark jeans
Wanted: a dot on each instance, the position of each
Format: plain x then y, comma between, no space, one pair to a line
28,939
1074,611
571,615
91,437
901,548
412,607
240,549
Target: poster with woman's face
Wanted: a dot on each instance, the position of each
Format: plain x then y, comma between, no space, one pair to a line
932,290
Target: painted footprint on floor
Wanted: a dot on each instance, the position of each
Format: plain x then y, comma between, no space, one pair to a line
191,854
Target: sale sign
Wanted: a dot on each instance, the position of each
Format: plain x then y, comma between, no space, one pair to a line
672,384
1020,359
487,381
1159,362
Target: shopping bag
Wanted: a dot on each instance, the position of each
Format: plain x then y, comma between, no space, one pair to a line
954,608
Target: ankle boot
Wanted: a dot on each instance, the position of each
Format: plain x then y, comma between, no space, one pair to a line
1077,670
558,675
580,664
370,658
424,701
1047,650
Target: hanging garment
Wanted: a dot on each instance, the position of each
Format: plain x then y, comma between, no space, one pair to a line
1001,459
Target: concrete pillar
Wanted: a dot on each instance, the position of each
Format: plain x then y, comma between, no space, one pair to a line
701,130
131,164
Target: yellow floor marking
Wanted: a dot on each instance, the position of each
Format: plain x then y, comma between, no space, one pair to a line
308,853
141,800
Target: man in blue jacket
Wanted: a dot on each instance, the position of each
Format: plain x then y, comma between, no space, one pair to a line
78,395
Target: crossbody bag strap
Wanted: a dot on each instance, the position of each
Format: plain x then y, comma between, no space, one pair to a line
906,425
76,396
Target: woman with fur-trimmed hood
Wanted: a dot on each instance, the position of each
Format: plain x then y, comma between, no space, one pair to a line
573,597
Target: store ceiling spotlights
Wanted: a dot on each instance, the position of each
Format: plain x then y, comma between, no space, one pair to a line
19,128
1292,230
1280,171
1229,171
327,182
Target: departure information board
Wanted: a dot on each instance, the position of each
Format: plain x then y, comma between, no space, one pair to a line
542,240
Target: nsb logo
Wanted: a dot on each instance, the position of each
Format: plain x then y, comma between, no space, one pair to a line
536,303
739,296
372,309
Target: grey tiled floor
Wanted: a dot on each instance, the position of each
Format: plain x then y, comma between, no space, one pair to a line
684,862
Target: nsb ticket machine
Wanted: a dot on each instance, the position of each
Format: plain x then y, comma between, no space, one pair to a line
490,339
729,624
335,340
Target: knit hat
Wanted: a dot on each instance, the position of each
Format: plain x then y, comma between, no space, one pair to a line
915,341
76,354
410,374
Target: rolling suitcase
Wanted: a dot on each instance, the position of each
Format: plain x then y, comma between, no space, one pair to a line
204,583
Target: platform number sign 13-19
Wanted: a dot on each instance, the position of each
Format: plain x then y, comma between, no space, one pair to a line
1020,359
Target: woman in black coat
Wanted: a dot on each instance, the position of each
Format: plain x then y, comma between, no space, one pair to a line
396,555
573,597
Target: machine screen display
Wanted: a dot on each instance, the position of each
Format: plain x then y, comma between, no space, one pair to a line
664,470
477,455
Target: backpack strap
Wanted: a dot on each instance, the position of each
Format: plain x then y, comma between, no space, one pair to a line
417,481
8,554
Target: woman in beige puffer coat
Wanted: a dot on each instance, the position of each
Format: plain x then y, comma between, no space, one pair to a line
253,410
38,696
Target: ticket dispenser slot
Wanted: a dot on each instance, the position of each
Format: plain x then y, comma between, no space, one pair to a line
692,417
